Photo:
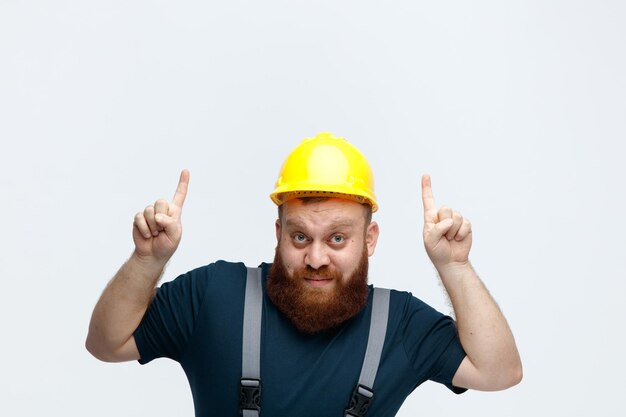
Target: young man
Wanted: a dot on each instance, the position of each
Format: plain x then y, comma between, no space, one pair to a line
316,304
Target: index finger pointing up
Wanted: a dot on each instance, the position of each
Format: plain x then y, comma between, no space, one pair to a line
181,190
427,195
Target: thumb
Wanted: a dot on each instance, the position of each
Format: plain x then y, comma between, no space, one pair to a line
433,235
165,221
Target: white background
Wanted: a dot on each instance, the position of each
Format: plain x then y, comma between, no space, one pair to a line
516,109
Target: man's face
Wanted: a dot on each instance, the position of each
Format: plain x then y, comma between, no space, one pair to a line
319,276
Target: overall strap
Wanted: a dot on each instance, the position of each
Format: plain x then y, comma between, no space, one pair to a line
250,385
363,392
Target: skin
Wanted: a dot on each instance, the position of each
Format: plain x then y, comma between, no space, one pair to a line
492,361
156,233
329,233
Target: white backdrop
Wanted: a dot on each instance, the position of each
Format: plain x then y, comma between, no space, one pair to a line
516,109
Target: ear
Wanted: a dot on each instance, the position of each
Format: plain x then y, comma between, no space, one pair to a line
278,230
371,237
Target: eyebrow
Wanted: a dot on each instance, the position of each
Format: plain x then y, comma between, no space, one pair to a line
336,224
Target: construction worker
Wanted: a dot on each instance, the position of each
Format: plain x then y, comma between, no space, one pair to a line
323,344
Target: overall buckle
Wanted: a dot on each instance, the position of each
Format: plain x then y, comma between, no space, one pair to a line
250,394
360,401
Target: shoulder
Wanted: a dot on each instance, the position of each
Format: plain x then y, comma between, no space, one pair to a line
217,274
216,269
403,302
220,268
412,315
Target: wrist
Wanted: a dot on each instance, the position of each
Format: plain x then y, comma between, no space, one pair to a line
454,269
147,263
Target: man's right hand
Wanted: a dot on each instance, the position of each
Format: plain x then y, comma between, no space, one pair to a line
157,230
123,303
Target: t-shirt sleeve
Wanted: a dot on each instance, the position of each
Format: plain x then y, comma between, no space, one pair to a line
432,344
169,321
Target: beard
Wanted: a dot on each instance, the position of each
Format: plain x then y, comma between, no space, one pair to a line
312,310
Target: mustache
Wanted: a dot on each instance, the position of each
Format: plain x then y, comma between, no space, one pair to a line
324,272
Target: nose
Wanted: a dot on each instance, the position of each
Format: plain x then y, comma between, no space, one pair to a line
316,257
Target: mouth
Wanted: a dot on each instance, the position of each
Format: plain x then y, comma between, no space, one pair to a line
318,282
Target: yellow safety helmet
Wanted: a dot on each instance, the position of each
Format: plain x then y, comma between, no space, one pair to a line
325,166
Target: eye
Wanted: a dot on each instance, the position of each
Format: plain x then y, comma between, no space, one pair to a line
299,238
337,239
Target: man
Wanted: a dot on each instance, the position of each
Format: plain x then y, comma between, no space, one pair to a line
316,307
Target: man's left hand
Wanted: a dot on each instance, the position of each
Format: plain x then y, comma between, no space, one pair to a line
447,234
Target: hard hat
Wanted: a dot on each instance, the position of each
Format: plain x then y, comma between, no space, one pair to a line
325,166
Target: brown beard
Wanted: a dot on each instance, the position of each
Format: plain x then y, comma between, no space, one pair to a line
313,310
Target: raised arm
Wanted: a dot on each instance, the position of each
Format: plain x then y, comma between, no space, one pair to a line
492,361
156,233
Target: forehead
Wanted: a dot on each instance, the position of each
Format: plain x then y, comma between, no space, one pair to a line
331,212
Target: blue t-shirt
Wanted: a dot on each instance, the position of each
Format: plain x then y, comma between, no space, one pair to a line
197,320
